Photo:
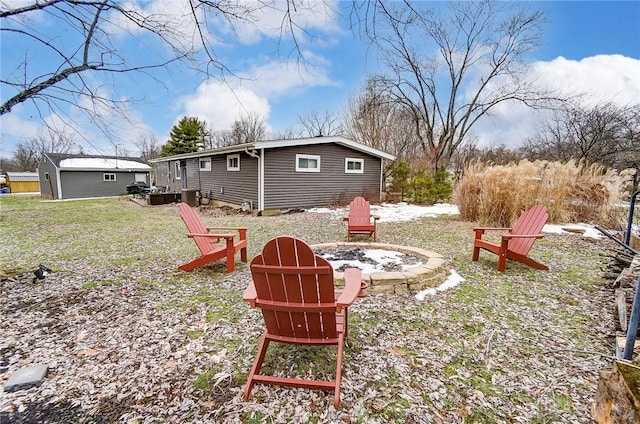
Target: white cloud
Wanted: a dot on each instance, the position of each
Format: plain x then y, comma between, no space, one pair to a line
597,79
244,21
271,21
602,78
13,126
276,78
172,18
220,105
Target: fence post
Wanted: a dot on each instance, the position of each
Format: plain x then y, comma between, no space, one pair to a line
632,328
632,207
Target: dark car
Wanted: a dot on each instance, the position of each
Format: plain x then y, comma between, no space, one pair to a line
137,187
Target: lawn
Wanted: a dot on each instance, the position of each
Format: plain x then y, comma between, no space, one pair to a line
129,338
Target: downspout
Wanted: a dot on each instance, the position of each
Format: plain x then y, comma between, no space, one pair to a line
58,183
255,155
381,178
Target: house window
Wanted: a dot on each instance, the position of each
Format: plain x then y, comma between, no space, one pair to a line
353,166
205,164
177,170
46,176
233,162
307,163
108,177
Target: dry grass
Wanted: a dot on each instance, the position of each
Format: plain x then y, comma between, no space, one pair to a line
131,339
572,192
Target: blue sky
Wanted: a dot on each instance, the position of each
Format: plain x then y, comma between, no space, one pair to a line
589,47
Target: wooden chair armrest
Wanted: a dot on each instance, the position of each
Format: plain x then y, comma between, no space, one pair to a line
492,228
250,295
375,217
210,235
510,236
352,285
479,231
345,218
227,228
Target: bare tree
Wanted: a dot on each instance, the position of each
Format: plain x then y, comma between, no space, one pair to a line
469,152
149,146
285,134
219,138
248,129
27,155
375,119
88,46
316,124
450,68
25,158
605,133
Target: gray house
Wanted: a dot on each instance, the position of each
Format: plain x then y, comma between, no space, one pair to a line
67,176
278,174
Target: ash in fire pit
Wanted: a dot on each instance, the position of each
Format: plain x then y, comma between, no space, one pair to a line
369,260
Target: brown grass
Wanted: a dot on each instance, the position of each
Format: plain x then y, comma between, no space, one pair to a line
572,192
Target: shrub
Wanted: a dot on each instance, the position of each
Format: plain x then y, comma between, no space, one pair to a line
420,186
400,174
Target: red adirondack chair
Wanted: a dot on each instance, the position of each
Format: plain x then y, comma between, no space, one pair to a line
294,288
207,241
516,244
360,220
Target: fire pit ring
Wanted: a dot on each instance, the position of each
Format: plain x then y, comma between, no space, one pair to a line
431,273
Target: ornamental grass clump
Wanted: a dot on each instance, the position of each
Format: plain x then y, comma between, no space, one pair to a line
572,192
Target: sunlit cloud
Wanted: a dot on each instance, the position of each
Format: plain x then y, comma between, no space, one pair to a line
174,20
602,78
276,79
273,21
220,104
245,22
592,80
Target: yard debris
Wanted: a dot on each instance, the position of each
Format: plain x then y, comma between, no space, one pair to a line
127,343
41,272
25,378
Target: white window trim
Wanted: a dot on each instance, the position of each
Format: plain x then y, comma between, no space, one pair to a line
207,164
178,170
353,171
233,168
110,180
315,157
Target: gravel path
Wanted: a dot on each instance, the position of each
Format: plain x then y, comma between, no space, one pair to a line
130,339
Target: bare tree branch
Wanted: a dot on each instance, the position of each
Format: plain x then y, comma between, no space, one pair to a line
88,46
451,68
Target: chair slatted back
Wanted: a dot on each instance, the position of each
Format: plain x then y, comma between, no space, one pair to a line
295,290
195,226
529,222
359,212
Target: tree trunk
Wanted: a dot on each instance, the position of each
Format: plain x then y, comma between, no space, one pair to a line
617,399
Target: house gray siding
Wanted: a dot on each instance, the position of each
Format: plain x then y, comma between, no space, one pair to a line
75,182
191,178
286,188
281,187
166,176
163,175
48,188
235,187
81,184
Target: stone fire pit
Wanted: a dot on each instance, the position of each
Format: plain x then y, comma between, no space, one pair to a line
430,272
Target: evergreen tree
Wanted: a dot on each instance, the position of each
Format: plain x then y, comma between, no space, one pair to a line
188,135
